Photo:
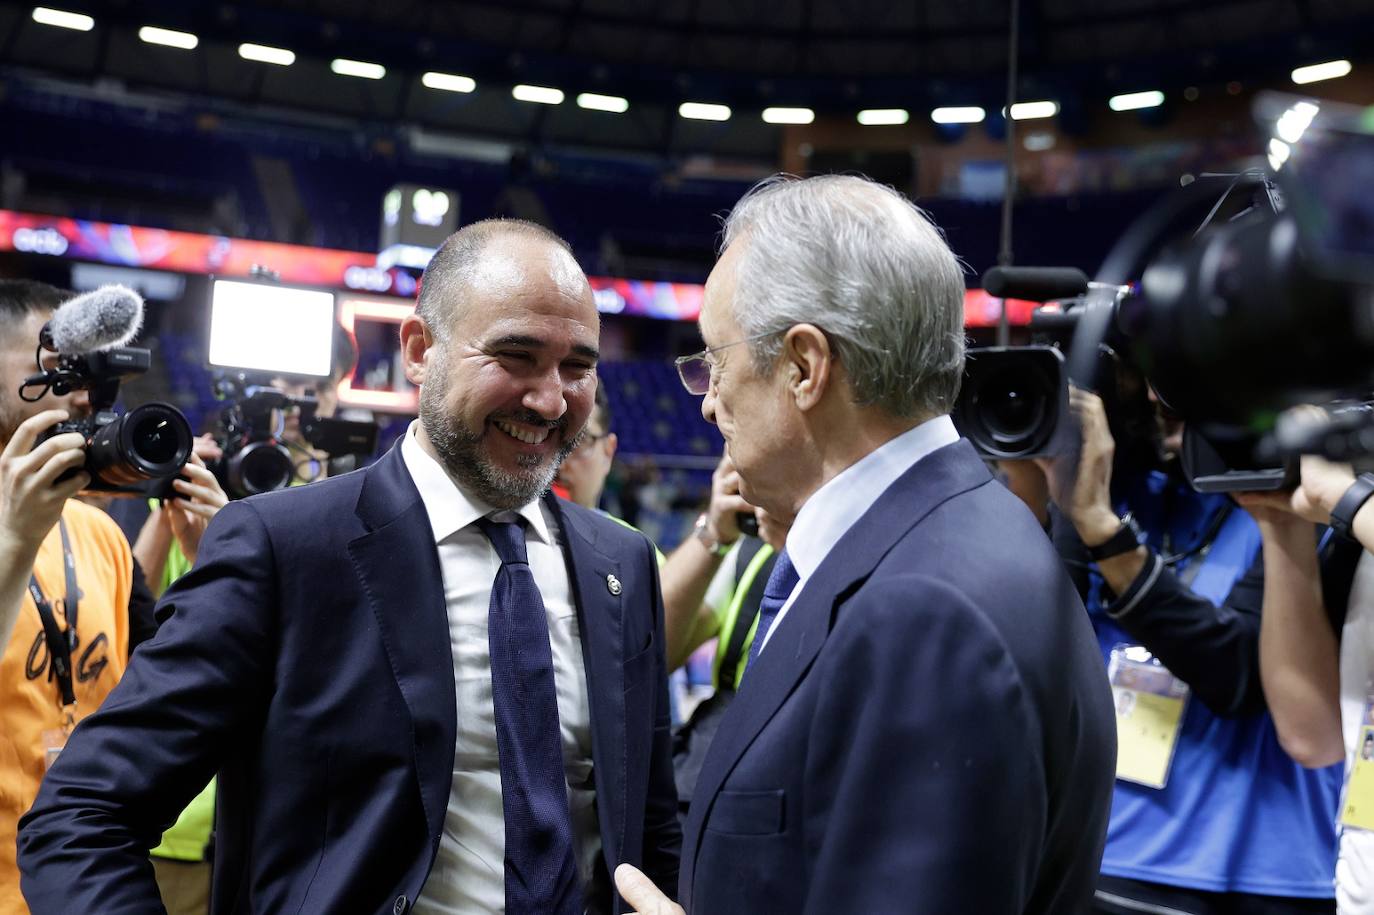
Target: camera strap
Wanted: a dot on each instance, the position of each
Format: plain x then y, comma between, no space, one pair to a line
61,643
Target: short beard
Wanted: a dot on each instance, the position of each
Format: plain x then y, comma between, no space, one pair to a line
460,449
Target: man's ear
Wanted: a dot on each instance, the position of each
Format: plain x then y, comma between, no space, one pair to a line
416,340
809,363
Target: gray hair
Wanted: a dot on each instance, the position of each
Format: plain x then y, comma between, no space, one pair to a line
449,273
869,268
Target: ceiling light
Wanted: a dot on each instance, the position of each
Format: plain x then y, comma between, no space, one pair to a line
612,103
541,95
704,111
1318,72
359,68
266,54
448,82
170,38
1133,100
879,117
1029,111
965,115
788,115
63,19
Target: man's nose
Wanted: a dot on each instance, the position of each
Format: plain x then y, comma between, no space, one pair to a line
545,396
79,402
708,405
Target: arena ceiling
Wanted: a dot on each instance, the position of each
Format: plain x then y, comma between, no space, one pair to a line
830,55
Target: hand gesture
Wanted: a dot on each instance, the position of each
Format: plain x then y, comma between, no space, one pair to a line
31,499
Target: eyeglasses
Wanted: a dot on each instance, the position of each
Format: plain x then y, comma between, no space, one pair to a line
695,370
587,439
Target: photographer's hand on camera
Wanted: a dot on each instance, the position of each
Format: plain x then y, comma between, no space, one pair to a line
200,498
183,519
687,574
31,501
1082,488
722,524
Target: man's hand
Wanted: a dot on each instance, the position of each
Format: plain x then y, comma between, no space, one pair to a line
1082,489
726,502
639,891
1321,487
31,499
199,499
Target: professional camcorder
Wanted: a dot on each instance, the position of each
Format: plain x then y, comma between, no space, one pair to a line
1269,304
257,454
150,442
1014,402
257,457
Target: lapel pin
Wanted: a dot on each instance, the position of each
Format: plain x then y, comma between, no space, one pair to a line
613,585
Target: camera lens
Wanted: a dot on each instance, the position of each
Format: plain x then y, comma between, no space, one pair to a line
150,441
1011,405
155,439
1012,401
261,466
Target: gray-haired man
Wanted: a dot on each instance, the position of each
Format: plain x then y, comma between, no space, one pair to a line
928,726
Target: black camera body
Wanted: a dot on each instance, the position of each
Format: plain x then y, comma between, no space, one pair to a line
1014,402
256,457
123,452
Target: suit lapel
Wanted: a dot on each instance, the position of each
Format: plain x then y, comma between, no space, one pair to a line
599,621
798,639
398,567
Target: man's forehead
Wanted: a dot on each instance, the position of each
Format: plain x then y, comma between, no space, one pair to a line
508,265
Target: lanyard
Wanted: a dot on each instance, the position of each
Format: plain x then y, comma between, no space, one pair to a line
60,642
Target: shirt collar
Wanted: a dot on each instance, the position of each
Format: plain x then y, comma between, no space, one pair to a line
449,506
845,498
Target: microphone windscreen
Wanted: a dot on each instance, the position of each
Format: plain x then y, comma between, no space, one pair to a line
1035,284
105,317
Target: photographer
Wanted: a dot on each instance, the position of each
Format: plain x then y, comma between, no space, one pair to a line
53,550
1317,643
1217,818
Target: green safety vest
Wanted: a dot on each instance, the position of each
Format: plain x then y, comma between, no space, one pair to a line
751,574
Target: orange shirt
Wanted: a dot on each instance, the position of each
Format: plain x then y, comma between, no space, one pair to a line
30,701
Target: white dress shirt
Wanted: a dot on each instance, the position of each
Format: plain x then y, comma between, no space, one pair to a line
469,870
1355,855
833,509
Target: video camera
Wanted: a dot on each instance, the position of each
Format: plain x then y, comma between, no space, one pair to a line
149,442
1014,402
257,454
257,457
1256,311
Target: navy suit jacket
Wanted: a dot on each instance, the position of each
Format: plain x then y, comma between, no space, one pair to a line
929,729
306,659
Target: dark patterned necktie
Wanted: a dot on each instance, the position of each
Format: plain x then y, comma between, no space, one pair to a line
781,581
541,868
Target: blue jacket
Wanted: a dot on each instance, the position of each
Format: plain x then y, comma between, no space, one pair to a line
306,658
929,728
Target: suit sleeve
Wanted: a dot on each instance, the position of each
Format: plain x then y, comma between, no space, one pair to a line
1214,649
130,768
925,779
662,829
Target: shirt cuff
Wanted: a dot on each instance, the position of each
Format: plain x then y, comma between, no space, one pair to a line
1139,588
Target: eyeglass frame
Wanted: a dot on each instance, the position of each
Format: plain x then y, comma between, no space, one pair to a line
680,361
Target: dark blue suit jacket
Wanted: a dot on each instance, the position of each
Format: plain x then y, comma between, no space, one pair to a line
928,730
306,658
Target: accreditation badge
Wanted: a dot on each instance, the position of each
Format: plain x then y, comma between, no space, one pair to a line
1150,702
54,740
1357,799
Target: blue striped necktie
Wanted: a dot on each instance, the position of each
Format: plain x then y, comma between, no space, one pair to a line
781,581
540,865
